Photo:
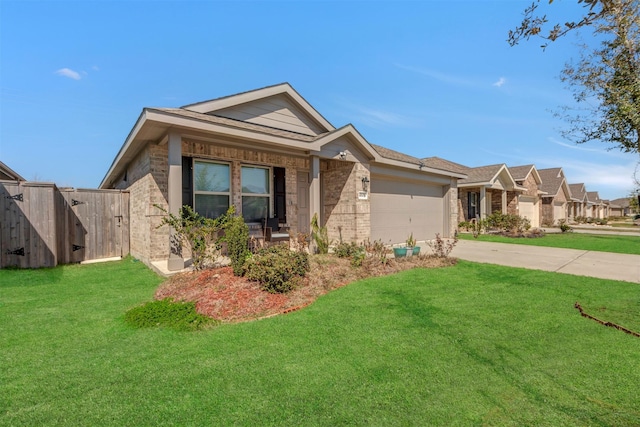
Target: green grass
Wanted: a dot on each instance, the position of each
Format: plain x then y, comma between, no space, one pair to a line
467,345
587,242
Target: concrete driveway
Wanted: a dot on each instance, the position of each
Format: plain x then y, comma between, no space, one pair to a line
604,265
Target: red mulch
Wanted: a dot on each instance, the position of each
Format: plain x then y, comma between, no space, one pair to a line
221,295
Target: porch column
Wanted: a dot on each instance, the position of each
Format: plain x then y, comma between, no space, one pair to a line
483,203
174,188
314,189
504,202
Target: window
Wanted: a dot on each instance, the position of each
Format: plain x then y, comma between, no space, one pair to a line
256,193
474,205
211,188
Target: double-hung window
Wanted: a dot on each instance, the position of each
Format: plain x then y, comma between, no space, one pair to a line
212,188
256,193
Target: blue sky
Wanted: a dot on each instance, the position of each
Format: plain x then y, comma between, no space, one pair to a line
427,78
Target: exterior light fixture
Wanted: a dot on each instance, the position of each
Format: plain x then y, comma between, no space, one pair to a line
343,155
365,184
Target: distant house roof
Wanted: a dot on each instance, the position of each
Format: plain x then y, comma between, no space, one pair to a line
593,196
8,174
446,165
578,192
553,181
623,202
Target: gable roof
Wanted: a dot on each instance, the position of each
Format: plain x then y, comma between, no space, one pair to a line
521,173
6,173
284,91
303,129
553,181
488,176
593,197
578,191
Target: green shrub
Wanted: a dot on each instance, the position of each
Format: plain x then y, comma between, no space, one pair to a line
346,250
180,316
199,233
236,234
508,222
277,268
564,227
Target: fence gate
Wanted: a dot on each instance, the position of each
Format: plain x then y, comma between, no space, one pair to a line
42,226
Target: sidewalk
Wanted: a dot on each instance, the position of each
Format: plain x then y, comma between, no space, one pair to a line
604,265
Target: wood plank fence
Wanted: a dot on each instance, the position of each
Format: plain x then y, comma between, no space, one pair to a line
43,226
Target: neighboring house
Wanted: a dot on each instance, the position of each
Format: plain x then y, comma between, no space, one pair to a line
487,189
615,209
579,204
597,209
557,196
269,153
529,202
8,174
624,204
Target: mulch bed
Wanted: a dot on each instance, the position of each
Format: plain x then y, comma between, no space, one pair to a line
221,295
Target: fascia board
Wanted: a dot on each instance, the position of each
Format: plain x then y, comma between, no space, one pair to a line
125,147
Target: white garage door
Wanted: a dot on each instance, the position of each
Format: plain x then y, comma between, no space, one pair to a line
399,208
559,212
528,209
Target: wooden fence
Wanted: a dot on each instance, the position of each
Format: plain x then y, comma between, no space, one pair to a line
43,226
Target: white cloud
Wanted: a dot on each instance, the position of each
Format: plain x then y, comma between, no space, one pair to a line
438,75
67,72
501,81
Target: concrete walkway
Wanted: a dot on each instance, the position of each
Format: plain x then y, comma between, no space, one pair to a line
604,265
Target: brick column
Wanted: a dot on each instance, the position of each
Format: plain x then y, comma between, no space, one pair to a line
175,262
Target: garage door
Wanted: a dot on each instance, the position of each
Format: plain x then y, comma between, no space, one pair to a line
528,209
399,208
558,212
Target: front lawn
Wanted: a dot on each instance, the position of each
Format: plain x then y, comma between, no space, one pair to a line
587,242
470,344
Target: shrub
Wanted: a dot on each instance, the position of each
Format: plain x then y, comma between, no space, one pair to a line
200,234
180,316
236,234
377,251
442,248
564,227
277,269
508,222
346,250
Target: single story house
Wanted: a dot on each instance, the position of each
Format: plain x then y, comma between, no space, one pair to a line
8,174
269,153
529,202
597,205
625,205
557,196
579,204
